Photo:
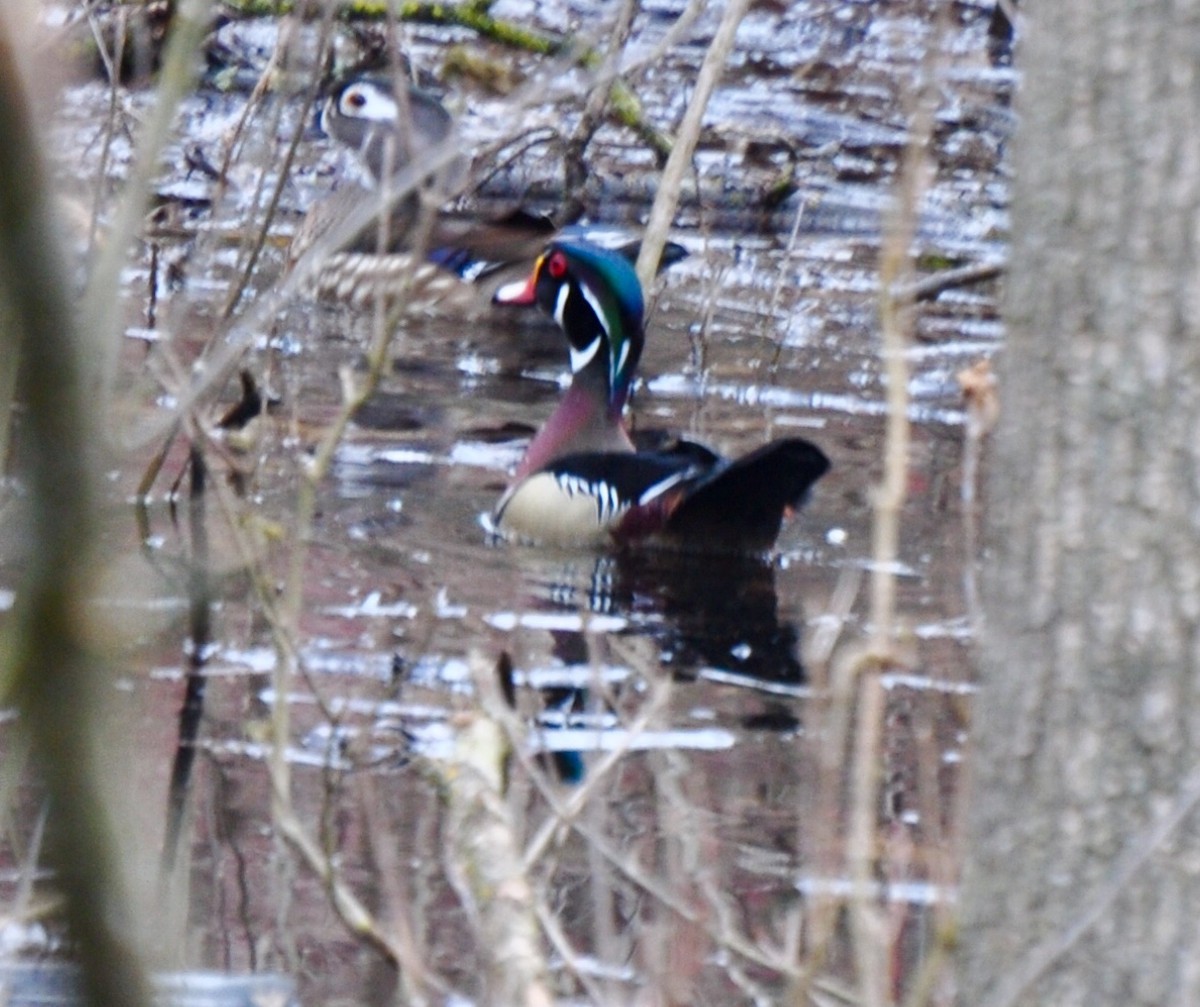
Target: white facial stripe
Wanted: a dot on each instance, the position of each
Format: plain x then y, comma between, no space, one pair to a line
620,363
560,305
581,358
376,105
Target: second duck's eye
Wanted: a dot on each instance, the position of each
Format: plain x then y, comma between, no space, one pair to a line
354,99
556,266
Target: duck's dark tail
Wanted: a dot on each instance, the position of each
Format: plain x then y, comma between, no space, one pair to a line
741,505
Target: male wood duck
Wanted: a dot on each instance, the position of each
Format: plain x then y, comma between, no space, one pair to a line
389,130
581,481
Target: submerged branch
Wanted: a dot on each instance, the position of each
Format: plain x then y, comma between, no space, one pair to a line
623,103
930,287
474,16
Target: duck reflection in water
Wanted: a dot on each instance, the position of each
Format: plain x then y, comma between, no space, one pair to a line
713,617
717,613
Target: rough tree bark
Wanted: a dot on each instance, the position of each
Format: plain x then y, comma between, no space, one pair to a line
1083,877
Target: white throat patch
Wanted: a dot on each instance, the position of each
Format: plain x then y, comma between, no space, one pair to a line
581,358
560,303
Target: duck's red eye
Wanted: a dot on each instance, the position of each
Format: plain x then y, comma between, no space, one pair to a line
355,99
556,265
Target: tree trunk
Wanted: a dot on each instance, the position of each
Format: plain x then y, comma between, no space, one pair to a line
1083,878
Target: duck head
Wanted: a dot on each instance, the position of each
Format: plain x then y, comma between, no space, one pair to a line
594,296
386,127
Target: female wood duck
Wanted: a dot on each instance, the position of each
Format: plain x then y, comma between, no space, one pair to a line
386,128
581,480
389,131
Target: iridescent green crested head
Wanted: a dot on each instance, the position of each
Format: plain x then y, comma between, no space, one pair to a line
594,295
609,275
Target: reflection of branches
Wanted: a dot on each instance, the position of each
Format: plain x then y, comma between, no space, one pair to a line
670,891
397,912
101,302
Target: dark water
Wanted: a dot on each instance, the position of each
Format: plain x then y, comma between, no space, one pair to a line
730,794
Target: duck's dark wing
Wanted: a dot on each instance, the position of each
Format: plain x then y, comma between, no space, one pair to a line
482,249
474,249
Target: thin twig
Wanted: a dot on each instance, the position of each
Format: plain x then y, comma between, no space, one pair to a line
671,180
867,922
872,939
285,169
978,386
818,828
784,277
574,167
895,321
112,69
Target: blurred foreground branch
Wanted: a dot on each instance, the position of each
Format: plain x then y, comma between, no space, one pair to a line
483,859
56,675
